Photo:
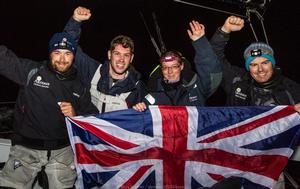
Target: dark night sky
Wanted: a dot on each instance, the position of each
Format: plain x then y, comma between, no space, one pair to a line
26,27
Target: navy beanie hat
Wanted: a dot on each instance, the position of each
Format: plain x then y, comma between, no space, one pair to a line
258,49
62,41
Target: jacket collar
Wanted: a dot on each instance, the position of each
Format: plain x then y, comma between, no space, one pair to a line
126,85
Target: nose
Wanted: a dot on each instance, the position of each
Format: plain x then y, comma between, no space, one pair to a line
61,58
170,70
260,68
122,58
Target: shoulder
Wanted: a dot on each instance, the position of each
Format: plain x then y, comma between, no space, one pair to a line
193,80
133,73
290,83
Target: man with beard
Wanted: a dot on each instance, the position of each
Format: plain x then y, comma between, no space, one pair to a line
50,90
114,85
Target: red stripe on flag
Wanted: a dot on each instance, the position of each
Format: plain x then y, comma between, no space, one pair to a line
175,131
216,177
267,165
250,126
112,158
138,174
104,136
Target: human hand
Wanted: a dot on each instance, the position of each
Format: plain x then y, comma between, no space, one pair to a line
233,23
140,107
196,31
81,13
67,109
297,107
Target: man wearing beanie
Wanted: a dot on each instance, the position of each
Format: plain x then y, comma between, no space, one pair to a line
50,91
259,83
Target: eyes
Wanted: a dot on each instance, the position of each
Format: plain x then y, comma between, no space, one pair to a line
172,67
57,52
126,55
254,64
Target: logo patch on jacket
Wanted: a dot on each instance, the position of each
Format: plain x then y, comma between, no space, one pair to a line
76,94
193,98
38,82
150,99
239,94
17,164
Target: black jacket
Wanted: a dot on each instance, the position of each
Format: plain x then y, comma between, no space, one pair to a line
242,90
39,122
194,91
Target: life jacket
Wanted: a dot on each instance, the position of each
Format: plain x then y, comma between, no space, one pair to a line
105,102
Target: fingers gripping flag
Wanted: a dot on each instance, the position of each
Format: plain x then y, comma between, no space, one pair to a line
183,147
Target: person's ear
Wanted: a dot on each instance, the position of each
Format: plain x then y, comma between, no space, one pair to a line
131,59
109,55
181,66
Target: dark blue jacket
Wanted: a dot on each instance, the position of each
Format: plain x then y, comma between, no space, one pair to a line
39,122
199,88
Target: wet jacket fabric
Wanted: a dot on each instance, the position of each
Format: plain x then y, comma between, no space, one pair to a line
122,95
39,122
194,91
242,90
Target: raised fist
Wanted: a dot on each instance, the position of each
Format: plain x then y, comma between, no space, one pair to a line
81,13
233,23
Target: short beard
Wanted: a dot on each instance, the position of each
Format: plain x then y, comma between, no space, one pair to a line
54,66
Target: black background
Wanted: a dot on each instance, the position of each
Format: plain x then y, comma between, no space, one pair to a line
26,27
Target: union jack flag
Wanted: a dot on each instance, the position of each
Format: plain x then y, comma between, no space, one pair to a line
183,147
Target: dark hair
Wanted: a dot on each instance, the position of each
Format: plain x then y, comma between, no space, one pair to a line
123,40
176,55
